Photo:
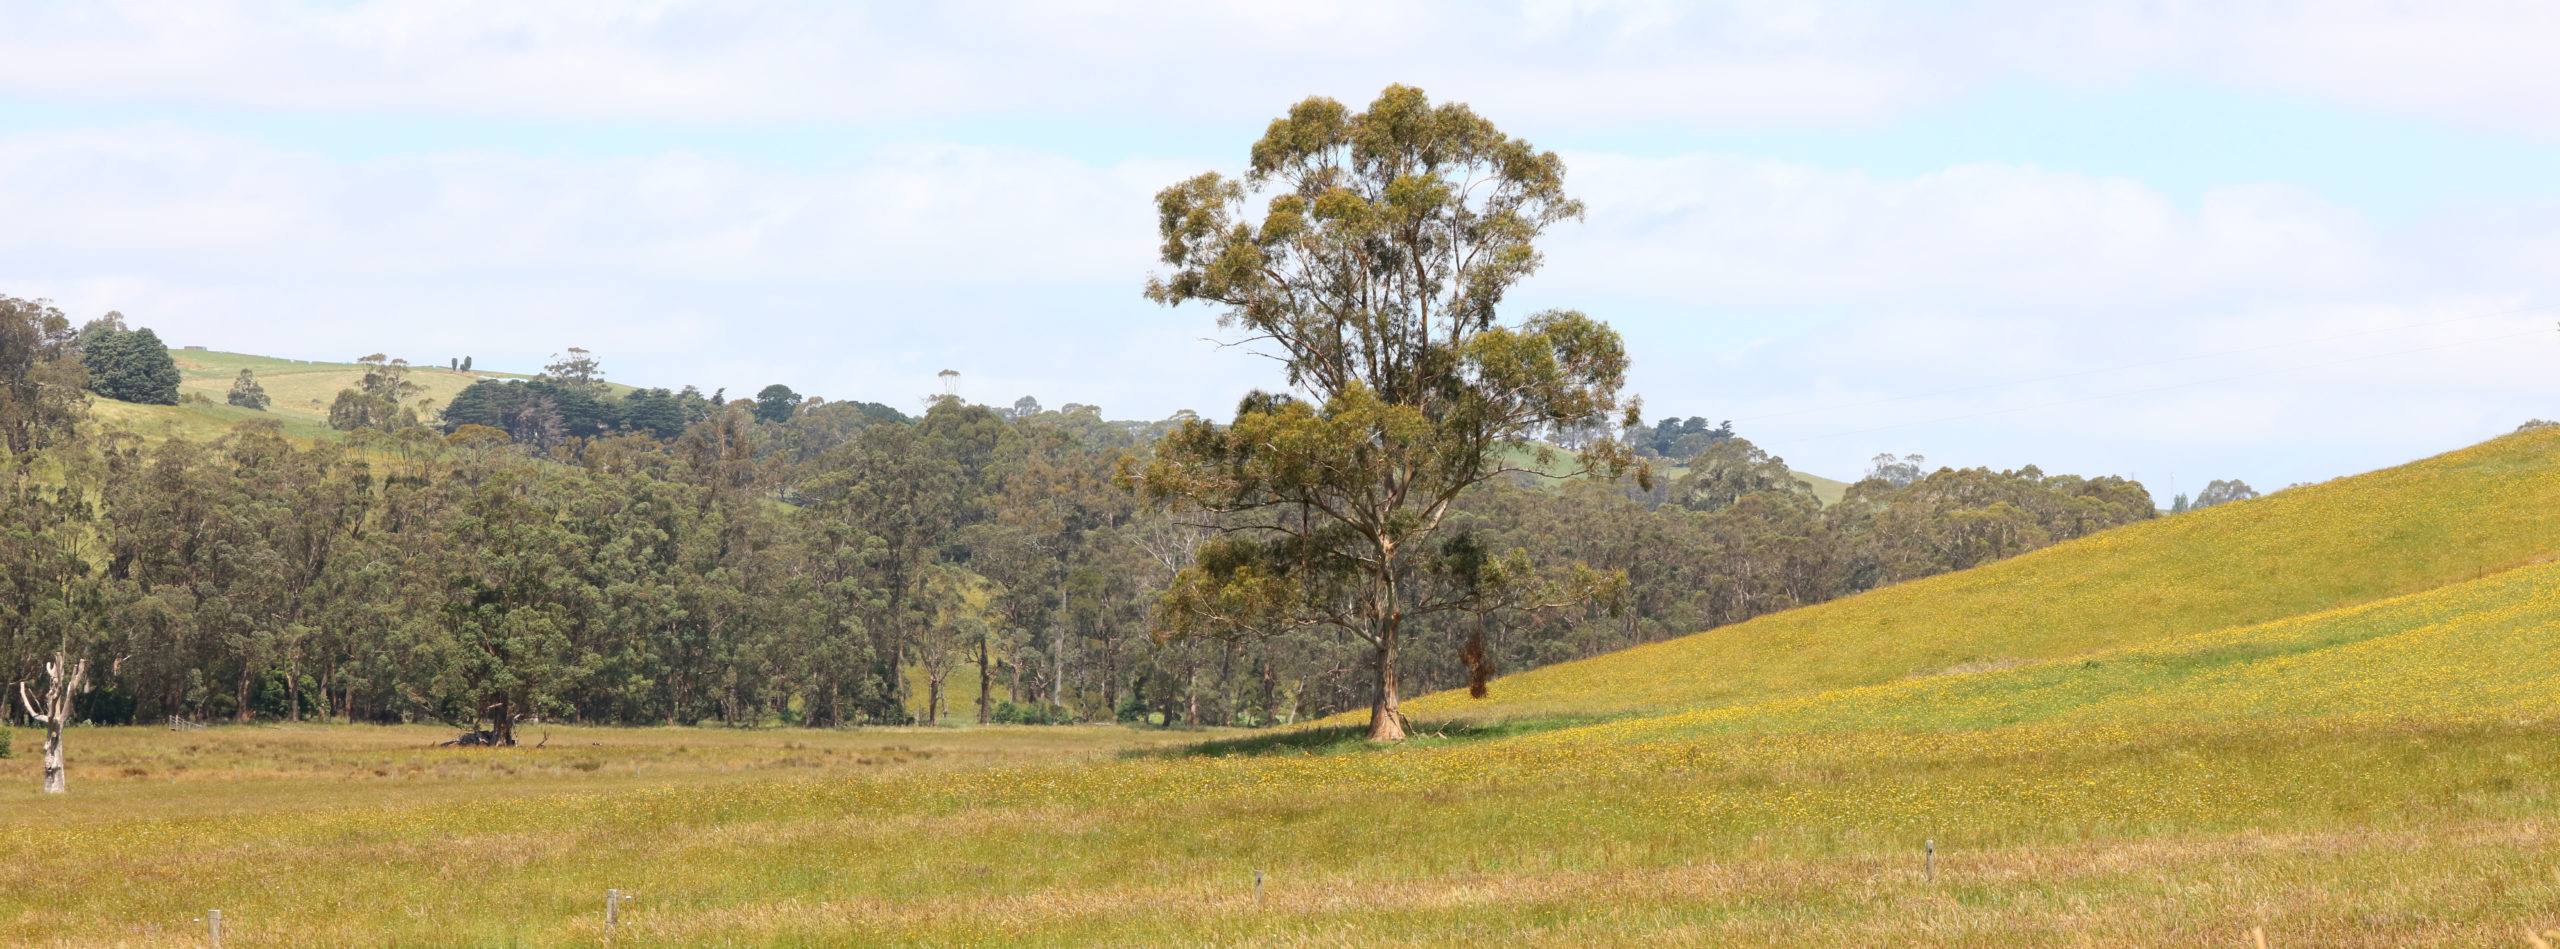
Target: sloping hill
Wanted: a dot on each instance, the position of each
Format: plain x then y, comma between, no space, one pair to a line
303,390
2477,648
301,393
199,421
2444,520
1827,491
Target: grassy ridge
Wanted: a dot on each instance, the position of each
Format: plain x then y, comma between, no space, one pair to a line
302,390
2466,650
2416,527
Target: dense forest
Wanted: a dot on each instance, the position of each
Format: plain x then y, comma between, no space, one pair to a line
544,550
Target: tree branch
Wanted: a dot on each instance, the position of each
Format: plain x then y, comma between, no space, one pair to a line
30,706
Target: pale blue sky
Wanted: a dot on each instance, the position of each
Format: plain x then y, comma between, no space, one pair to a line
2277,241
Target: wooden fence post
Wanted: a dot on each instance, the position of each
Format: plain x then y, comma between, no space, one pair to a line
1929,860
213,926
612,913
1257,885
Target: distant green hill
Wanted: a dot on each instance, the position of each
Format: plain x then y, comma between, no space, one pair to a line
1828,491
302,392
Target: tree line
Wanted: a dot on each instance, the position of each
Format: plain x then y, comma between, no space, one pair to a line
837,566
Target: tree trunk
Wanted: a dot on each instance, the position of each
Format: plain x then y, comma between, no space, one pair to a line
1270,684
933,697
1058,647
1386,723
1110,670
58,691
503,724
985,683
1191,695
55,782
898,692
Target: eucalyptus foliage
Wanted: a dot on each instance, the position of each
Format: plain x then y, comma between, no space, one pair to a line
1373,271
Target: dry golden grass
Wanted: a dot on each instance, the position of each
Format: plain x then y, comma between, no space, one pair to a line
303,390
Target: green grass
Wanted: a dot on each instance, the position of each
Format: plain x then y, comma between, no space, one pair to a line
2332,714
197,422
2446,519
301,393
1827,491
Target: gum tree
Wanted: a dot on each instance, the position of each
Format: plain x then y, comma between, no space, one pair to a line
1373,272
49,590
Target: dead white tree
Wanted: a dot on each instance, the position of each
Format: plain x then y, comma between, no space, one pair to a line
58,690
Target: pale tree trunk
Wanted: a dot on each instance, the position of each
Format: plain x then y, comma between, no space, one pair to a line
58,691
1386,722
1058,648
1191,694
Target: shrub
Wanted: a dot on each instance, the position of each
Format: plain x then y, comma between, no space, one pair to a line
1032,713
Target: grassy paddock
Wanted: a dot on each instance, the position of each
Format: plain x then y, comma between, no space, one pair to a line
2329,831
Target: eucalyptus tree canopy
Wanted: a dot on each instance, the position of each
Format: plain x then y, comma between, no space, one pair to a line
41,378
247,393
1373,271
2224,492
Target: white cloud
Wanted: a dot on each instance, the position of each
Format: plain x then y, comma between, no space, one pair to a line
1717,230
735,62
2483,62
911,214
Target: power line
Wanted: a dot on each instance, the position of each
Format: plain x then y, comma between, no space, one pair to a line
2142,365
2182,385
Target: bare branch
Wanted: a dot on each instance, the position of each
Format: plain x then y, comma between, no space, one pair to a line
31,706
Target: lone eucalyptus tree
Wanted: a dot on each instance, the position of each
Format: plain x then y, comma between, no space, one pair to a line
1385,243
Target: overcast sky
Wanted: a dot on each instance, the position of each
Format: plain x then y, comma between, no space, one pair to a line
2179,241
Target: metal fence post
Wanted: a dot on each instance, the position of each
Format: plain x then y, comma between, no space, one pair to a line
1929,862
